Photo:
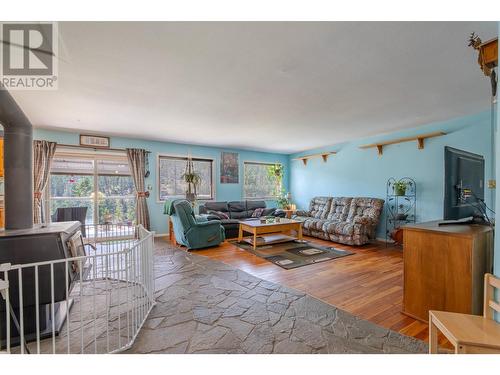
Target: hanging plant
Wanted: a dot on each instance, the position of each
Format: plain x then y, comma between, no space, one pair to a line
275,173
192,180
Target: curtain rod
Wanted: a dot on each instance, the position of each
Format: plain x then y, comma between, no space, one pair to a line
96,148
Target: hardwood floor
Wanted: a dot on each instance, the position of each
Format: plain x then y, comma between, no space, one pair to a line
368,284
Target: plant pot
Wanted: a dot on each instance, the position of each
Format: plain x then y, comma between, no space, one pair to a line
399,190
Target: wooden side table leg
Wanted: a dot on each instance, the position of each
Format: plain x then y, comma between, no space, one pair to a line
254,240
433,336
171,234
299,234
240,234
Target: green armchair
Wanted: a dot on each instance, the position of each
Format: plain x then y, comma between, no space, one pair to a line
190,231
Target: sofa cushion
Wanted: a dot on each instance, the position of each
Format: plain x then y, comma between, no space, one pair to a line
311,223
319,207
240,214
217,206
237,206
368,208
339,209
238,210
339,228
316,224
252,205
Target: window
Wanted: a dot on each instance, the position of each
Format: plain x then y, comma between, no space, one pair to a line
170,179
101,183
261,181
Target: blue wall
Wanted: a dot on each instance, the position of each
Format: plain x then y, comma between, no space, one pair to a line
361,172
224,192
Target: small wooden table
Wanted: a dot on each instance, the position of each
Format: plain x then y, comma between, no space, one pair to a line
276,231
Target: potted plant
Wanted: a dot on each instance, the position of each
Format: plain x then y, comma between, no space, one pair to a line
283,201
400,187
192,180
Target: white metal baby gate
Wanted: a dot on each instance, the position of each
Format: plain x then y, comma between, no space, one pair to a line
104,304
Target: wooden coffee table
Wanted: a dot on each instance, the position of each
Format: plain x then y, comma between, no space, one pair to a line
276,232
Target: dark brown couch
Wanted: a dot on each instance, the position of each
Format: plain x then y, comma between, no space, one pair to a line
237,211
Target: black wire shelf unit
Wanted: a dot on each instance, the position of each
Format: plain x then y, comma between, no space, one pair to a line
401,206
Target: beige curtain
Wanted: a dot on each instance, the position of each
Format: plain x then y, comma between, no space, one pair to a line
43,154
137,162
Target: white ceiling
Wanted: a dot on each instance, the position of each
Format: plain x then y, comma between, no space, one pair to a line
277,86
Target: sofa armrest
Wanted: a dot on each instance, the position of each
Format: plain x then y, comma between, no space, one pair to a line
269,211
201,218
302,213
211,217
209,223
279,213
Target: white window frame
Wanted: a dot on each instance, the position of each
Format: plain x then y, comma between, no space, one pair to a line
243,182
184,157
95,156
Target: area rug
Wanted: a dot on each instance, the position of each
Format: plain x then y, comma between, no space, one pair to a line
289,255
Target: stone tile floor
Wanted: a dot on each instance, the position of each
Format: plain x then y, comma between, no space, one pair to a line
205,306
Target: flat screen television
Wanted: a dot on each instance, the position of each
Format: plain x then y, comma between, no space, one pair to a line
464,183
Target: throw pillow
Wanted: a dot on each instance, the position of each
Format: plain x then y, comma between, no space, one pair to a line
258,212
221,215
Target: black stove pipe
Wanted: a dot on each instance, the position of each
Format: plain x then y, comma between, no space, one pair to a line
18,163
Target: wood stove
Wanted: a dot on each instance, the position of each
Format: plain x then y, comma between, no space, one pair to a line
37,244
21,242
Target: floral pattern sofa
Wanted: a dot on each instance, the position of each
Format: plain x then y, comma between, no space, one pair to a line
351,221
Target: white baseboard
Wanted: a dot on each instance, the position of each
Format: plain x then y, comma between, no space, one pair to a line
161,234
384,240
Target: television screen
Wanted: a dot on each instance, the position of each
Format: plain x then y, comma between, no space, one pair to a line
464,183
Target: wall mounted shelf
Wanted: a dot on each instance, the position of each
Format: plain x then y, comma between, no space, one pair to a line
419,138
323,155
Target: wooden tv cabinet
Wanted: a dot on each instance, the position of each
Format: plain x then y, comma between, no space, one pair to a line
444,268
